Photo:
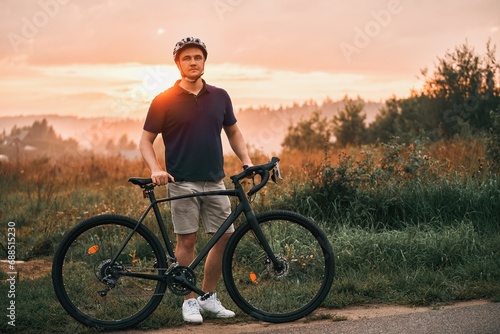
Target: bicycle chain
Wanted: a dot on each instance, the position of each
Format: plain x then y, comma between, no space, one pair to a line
168,271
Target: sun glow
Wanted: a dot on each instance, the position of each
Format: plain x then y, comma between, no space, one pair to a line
126,90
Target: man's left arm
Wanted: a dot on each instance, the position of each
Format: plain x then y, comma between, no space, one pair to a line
238,143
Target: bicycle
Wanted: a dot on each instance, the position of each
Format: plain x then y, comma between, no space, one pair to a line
111,271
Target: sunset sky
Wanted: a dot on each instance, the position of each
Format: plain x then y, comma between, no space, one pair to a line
111,57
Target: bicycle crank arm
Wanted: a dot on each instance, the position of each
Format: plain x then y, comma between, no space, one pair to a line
183,280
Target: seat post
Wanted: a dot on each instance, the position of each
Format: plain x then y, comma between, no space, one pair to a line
148,192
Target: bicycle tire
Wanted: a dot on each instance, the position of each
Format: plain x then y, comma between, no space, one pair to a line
82,263
287,295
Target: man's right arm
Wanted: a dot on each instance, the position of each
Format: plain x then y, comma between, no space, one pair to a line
158,175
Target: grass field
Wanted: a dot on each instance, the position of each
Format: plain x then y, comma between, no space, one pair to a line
409,224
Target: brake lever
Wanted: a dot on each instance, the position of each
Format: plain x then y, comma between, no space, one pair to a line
276,173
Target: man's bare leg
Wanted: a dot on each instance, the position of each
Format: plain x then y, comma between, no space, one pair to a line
184,251
213,264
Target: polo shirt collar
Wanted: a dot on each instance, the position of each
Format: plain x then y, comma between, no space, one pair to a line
179,90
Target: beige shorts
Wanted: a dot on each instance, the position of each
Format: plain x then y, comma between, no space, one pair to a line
186,212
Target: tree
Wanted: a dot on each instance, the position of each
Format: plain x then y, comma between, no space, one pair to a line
386,124
41,130
41,136
420,114
464,85
349,124
308,135
456,98
125,144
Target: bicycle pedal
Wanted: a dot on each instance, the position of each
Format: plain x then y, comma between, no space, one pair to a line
206,296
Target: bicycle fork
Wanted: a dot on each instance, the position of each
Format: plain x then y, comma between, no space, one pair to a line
257,230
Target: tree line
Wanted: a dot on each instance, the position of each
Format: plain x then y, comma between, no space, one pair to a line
41,140
460,98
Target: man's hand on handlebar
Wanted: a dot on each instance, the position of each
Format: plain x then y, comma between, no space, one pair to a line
245,167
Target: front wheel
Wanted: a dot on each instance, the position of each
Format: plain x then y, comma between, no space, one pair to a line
291,291
94,289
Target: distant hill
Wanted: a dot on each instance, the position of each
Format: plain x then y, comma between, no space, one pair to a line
101,135
80,128
264,128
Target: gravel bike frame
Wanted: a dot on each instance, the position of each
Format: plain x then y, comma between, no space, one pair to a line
243,206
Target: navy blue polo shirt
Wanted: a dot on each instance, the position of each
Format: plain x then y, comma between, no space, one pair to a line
191,129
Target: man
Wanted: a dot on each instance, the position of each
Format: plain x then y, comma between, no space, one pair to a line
190,116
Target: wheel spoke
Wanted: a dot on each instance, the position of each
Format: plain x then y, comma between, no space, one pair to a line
289,292
89,283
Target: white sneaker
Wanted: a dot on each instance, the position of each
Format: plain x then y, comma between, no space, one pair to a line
191,311
214,306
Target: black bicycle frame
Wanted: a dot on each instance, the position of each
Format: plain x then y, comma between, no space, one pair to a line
242,207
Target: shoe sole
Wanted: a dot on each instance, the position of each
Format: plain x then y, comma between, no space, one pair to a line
224,316
193,322
216,315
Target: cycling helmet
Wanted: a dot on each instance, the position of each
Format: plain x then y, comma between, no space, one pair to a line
189,41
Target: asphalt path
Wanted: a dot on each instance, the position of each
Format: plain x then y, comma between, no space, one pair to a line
474,317
480,319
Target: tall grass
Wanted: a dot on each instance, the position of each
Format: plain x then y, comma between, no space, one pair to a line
394,187
46,197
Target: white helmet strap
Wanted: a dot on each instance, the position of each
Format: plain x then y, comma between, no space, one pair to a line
188,78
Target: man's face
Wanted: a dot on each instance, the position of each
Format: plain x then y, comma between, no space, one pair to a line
191,62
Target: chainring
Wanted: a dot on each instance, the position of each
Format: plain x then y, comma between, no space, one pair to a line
175,277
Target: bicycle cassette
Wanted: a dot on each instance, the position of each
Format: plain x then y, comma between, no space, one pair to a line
105,270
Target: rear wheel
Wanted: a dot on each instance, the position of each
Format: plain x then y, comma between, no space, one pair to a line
279,294
92,288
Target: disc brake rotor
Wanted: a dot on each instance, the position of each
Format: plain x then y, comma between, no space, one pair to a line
283,271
